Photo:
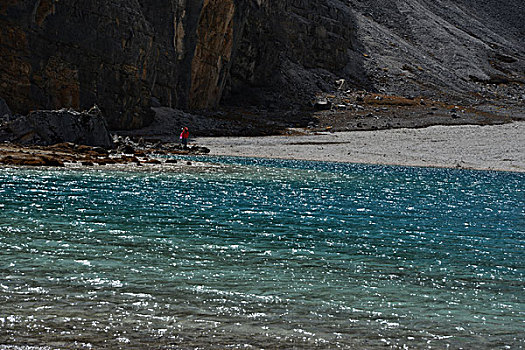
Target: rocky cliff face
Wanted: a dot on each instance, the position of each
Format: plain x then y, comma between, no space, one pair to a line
289,49
185,54
79,53
125,55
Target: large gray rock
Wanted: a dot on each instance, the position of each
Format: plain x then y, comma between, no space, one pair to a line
52,127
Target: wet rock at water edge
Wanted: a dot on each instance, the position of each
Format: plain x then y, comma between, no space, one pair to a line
199,150
32,160
152,161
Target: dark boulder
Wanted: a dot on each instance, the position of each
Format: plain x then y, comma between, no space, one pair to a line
52,127
199,150
152,161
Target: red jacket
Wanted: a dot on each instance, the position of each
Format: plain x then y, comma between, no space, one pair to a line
184,134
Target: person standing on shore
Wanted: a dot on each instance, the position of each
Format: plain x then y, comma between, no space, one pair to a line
184,135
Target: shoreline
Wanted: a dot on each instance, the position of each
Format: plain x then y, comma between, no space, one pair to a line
486,148
490,147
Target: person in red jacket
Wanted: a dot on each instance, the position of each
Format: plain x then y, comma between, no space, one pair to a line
184,135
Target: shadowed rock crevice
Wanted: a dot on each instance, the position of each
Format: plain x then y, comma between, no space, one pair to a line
213,53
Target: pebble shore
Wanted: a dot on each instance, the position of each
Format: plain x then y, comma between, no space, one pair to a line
491,147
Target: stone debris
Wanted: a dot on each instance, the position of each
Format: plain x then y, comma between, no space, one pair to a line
69,153
322,105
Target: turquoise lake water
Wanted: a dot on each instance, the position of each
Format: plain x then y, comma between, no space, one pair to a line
262,254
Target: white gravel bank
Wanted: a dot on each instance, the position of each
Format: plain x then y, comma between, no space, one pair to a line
496,147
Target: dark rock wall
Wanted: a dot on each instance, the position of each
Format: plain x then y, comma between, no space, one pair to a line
185,53
193,54
76,54
115,54
290,49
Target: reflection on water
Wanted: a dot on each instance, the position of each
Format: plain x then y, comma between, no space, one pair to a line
258,253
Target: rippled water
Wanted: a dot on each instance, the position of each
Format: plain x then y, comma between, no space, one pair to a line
252,254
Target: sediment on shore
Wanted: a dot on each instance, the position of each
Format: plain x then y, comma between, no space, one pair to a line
492,147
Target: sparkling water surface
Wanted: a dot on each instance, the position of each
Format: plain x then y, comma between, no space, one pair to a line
262,254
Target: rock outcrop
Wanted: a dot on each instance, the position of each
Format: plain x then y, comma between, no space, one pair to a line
53,127
184,54
125,54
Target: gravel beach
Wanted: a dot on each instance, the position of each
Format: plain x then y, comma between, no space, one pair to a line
493,147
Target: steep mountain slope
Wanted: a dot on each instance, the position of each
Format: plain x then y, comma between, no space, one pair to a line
127,55
442,47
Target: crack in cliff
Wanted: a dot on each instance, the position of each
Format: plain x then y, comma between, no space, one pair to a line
213,53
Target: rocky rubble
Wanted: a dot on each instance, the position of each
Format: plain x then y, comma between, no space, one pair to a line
70,154
351,110
55,138
125,145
